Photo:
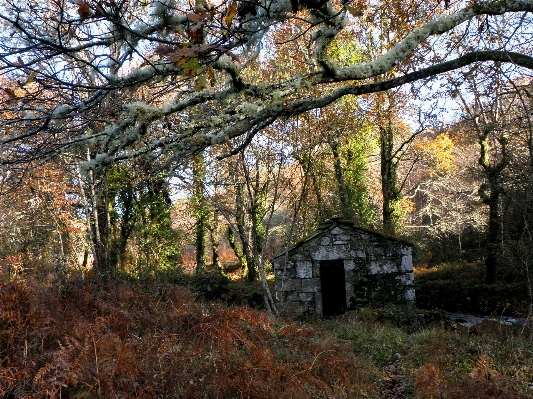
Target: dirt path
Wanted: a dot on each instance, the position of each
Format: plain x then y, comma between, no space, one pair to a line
394,382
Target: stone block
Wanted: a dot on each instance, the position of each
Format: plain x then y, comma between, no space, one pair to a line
291,285
278,284
406,279
306,296
384,266
407,250
349,291
407,263
304,269
409,294
337,230
359,254
310,285
293,308
318,303
340,242
316,269
278,265
285,274
292,296
332,252
325,240
349,264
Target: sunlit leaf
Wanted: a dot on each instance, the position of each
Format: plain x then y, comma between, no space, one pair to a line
30,79
232,11
191,67
201,83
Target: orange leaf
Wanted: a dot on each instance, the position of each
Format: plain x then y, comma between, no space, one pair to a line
196,35
84,11
195,17
232,11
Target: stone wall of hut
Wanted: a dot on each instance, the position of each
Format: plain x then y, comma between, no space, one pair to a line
378,270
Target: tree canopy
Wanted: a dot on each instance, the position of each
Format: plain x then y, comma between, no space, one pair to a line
165,79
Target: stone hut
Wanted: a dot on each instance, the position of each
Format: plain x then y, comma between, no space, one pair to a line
343,267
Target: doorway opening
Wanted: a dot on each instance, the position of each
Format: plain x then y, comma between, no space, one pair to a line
333,284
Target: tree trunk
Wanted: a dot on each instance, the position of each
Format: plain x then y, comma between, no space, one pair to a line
490,194
346,207
201,211
493,237
389,185
213,233
250,272
236,249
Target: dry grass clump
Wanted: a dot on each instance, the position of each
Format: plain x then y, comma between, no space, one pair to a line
494,362
156,341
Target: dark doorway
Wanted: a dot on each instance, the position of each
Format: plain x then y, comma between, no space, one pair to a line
333,283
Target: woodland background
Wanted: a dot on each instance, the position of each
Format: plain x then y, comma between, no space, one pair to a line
154,156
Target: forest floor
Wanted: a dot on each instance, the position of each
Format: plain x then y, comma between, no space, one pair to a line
161,340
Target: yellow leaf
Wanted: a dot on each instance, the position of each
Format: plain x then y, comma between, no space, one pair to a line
181,61
232,11
30,78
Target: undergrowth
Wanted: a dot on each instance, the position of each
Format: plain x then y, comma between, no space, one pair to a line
157,340
459,287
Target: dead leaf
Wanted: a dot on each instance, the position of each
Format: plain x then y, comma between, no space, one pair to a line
195,17
164,49
84,11
211,76
196,34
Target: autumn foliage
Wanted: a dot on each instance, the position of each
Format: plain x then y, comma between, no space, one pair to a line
157,341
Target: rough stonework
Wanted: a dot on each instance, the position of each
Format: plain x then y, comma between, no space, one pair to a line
342,267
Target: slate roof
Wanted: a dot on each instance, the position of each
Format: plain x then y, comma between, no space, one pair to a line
336,222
